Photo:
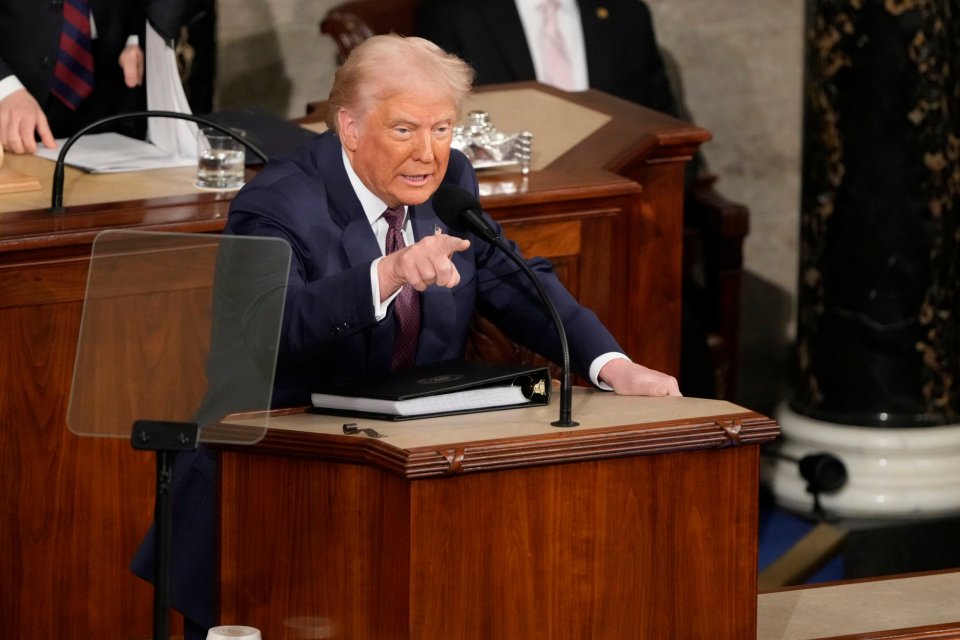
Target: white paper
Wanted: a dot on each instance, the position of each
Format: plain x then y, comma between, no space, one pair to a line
165,93
470,399
115,153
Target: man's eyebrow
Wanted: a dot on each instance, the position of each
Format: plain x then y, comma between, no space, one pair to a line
404,120
414,123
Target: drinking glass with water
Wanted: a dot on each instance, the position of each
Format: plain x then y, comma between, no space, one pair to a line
220,161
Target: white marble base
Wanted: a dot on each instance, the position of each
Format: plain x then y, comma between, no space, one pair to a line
891,473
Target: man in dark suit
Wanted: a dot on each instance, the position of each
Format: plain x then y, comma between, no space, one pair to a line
390,148
332,330
391,114
30,34
618,41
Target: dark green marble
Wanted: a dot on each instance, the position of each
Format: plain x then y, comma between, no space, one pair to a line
877,331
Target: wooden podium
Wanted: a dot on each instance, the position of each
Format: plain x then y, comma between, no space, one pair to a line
640,523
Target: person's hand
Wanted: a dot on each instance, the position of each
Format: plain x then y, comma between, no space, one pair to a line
131,61
426,262
21,120
631,379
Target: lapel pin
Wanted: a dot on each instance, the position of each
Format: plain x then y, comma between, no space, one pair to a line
603,13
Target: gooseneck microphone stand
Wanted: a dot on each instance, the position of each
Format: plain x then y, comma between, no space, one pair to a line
56,197
461,211
566,388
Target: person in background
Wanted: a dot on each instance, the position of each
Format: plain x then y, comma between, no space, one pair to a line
576,45
67,63
570,44
377,282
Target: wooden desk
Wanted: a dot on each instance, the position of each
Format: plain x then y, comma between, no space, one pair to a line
640,523
74,509
907,607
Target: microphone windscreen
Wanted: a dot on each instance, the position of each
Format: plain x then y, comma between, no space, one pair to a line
451,202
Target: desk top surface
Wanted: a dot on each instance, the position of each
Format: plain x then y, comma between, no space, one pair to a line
862,609
610,425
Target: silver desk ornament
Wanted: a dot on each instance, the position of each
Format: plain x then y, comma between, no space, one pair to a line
486,147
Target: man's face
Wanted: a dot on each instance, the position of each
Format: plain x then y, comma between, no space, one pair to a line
400,148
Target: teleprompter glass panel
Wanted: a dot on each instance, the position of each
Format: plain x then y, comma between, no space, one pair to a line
178,328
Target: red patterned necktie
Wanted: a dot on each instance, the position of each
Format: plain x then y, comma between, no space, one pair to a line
73,73
406,306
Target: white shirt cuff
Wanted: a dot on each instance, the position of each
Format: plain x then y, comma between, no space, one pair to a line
598,363
380,309
8,85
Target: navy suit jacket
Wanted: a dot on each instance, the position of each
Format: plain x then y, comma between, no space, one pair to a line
329,331
621,49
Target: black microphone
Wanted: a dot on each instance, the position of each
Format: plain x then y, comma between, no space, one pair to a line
56,196
824,472
460,211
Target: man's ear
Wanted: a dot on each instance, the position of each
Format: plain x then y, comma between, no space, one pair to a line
349,127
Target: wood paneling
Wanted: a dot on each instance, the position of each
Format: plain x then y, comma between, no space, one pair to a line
658,546
74,508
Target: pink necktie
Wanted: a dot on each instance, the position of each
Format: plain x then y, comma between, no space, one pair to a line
406,306
557,70
73,72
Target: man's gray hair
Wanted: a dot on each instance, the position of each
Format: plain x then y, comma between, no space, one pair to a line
387,64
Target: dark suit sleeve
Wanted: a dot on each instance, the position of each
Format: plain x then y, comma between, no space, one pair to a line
167,16
488,35
29,32
623,58
5,70
116,22
658,95
506,296
323,306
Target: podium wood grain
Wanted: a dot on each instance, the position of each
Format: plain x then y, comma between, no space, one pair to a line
624,531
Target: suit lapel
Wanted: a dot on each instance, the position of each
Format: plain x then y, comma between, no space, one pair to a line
508,36
595,38
358,240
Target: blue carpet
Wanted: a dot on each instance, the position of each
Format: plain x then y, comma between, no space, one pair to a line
779,530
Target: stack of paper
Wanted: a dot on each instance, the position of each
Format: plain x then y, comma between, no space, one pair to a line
113,153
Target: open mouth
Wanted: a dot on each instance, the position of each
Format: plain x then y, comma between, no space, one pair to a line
416,179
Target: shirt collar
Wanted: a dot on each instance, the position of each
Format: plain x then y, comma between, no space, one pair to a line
372,205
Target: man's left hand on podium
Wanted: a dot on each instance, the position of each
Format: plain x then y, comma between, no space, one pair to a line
631,379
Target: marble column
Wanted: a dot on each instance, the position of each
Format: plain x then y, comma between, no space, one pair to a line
878,341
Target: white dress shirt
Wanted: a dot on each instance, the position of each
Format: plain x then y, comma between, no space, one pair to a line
374,207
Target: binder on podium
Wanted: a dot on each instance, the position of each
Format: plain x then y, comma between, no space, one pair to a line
437,389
